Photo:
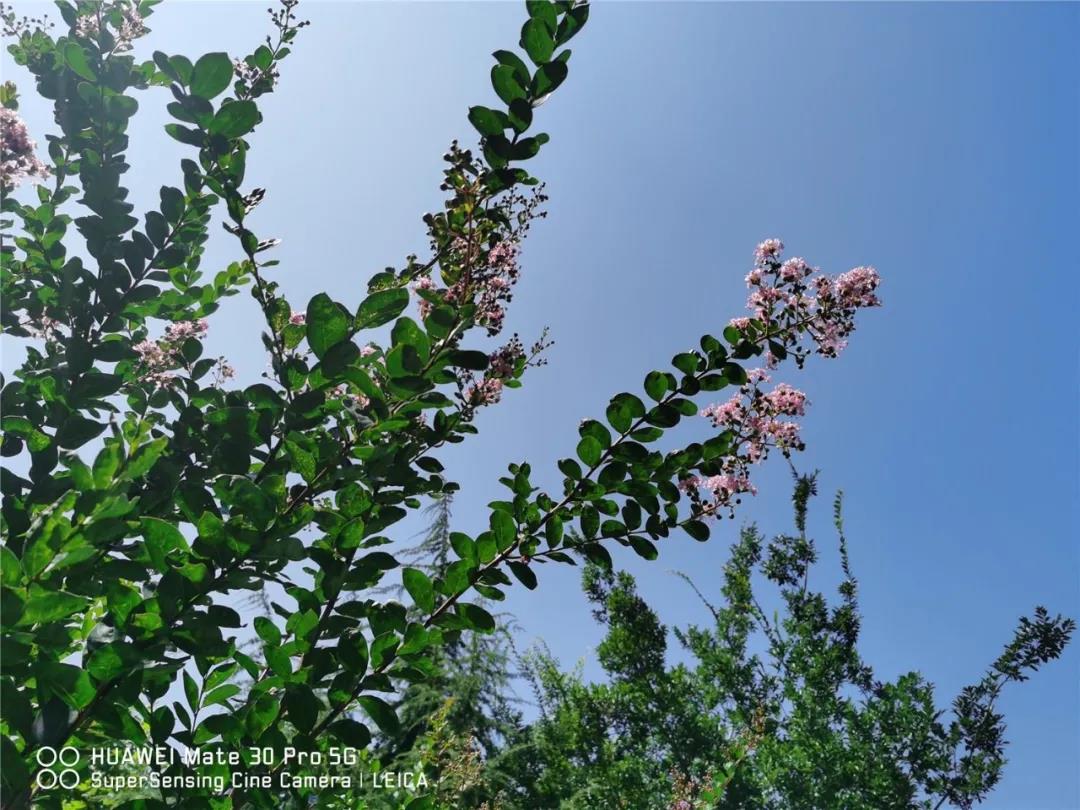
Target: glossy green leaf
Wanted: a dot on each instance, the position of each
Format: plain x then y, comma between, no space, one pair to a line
381,307
327,323
235,119
538,40
212,73
420,588
590,451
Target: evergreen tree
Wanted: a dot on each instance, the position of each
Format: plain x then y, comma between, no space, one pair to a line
771,712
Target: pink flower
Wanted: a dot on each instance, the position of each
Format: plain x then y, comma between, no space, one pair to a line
855,288
787,400
223,371
485,392
87,26
367,351
182,330
729,413
503,362
17,158
424,306
298,319
794,269
768,251
488,281
150,353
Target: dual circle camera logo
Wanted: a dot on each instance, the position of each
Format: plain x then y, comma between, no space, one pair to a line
57,767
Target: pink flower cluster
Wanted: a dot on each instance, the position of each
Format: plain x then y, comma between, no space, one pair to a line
298,319
159,357
724,487
252,76
754,418
487,391
131,27
223,371
17,152
502,365
790,298
424,283
182,330
44,328
503,362
487,278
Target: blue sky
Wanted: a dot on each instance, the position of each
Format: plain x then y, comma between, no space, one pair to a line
935,141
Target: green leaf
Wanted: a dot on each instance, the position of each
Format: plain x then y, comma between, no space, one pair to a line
75,57
643,547
687,362
524,573
351,733
486,121
571,469
735,373
590,521
302,623
476,617
381,307
554,531
235,119
506,84
327,323
302,460
212,74
513,61
547,78
463,546
469,359
220,696
302,706
504,529
656,385
381,712
262,715
50,607
571,23
590,427
590,451
71,684
406,332
161,538
352,651
623,410
485,547
697,529
77,430
538,41
268,631
419,586
543,11
598,555
521,115
144,459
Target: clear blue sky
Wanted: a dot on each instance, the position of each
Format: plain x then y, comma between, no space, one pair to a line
938,142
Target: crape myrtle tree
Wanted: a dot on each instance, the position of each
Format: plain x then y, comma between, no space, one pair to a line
772,711
142,487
